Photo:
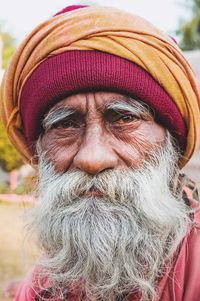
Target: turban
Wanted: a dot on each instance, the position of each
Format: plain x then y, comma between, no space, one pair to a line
98,48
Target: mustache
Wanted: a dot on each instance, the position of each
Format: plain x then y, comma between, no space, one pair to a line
76,184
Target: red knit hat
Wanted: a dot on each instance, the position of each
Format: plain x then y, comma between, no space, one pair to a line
82,70
69,8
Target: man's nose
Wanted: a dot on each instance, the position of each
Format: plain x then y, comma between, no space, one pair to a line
95,154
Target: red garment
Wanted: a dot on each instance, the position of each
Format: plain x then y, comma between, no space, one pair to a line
182,283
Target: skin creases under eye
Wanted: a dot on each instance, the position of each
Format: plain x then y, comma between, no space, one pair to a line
65,132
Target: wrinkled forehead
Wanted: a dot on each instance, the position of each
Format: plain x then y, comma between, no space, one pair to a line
94,100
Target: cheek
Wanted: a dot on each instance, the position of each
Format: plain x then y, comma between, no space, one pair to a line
153,132
137,146
134,152
60,150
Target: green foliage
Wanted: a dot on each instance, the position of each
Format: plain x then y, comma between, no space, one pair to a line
9,158
9,46
4,188
21,189
190,31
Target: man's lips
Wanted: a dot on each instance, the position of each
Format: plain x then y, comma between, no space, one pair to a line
93,193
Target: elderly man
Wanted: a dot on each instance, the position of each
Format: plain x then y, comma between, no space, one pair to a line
107,108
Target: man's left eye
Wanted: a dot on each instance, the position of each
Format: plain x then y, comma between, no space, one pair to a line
119,117
126,118
123,118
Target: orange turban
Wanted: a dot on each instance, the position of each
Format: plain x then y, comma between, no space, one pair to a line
112,31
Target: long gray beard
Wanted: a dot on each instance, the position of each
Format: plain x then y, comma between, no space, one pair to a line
118,242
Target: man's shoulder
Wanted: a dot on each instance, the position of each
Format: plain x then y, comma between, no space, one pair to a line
183,281
186,271
191,242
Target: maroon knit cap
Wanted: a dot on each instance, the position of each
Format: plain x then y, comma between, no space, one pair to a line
82,70
69,8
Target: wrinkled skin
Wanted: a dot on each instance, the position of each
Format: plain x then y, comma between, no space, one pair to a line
95,139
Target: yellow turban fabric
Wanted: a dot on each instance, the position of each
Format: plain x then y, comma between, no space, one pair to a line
115,32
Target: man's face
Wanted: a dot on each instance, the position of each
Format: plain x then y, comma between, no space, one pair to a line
108,218
94,132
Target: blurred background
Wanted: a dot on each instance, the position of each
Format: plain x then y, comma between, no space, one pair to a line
179,18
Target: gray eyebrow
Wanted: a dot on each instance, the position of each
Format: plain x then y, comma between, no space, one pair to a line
136,107
56,115
139,109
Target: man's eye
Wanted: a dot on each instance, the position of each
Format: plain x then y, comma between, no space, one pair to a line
125,118
119,117
68,124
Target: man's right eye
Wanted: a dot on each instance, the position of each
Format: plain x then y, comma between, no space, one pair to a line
70,124
65,124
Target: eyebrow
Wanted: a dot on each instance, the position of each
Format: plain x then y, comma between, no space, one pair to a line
57,115
136,107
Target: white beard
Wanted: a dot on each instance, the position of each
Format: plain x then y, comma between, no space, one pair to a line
118,242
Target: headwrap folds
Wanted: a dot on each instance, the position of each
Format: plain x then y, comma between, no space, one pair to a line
107,30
